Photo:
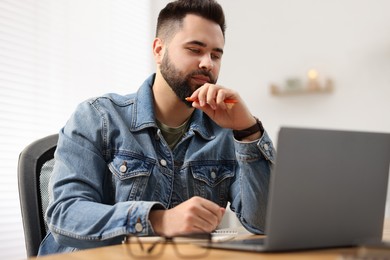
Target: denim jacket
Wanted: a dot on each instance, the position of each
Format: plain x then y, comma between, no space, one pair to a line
112,166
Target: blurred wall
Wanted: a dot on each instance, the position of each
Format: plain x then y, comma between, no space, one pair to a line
348,41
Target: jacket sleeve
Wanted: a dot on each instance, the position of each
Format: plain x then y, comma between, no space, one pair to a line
249,191
81,213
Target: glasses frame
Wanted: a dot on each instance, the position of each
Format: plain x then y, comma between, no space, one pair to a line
164,240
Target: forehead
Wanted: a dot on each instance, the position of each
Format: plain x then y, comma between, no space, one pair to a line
196,28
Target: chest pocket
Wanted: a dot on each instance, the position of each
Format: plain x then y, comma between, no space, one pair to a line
128,167
212,175
131,177
212,181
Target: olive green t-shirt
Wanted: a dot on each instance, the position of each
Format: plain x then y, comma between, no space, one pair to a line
172,135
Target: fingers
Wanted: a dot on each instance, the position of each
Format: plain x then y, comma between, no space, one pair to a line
223,106
213,96
207,214
194,215
200,215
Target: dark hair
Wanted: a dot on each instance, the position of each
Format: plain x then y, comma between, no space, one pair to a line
171,17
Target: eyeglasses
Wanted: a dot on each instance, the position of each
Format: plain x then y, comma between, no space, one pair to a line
192,245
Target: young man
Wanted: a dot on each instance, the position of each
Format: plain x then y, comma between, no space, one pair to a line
153,163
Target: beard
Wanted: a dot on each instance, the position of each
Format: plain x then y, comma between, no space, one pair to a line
179,82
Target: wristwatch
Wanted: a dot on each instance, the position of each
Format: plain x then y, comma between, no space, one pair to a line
240,134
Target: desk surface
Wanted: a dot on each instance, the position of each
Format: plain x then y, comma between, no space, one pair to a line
119,252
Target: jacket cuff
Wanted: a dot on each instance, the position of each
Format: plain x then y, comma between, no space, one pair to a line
139,223
247,151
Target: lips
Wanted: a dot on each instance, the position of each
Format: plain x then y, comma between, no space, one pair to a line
201,79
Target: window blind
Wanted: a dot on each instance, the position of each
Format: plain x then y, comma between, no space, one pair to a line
53,55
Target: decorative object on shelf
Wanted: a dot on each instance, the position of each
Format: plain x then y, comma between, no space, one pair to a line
296,86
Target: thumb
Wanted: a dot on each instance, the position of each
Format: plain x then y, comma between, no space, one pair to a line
221,213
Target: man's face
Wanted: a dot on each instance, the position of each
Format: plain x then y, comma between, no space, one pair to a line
194,56
181,82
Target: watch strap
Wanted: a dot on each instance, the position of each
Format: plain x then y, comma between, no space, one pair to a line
240,134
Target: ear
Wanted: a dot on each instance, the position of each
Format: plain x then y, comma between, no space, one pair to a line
158,50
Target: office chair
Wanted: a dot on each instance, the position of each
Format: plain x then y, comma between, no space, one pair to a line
35,165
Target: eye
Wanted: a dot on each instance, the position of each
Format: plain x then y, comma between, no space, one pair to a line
216,56
194,50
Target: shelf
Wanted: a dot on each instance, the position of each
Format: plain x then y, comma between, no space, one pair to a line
309,89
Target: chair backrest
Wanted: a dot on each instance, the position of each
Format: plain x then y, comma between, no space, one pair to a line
35,165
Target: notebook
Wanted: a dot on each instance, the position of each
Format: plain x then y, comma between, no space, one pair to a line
328,189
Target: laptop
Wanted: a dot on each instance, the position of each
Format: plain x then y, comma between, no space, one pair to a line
328,189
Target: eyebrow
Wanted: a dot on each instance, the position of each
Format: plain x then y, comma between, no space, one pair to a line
202,44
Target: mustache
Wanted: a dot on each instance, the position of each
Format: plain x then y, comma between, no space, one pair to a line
204,73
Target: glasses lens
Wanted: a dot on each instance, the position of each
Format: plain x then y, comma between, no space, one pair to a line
192,246
187,246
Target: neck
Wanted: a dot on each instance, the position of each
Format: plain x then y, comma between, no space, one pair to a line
169,109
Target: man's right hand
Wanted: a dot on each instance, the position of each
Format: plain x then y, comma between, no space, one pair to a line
196,215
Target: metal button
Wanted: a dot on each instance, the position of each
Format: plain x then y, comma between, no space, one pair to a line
138,227
266,147
213,175
123,167
163,162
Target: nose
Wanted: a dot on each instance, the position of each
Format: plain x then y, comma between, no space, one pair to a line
206,62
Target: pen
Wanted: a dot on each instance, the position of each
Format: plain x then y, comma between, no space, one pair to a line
226,101
229,102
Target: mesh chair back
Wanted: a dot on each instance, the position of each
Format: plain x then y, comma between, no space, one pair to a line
35,165
44,178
